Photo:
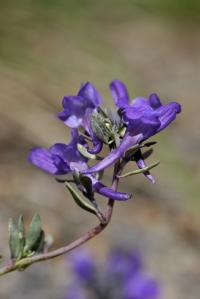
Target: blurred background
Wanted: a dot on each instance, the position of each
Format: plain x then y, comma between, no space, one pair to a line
47,49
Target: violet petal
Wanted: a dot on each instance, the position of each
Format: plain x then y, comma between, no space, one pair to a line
75,108
154,101
119,93
44,159
141,286
141,164
89,92
108,192
167,113
82,264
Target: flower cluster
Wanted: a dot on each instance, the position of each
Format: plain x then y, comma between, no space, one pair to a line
122,277
122,131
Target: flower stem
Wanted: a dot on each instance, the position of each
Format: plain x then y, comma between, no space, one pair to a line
25,262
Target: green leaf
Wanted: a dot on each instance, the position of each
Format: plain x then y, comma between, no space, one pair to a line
150,143
41,243
33,234
137,171
131,151
87,184
14,241
21,233
79,200
85,205
76,176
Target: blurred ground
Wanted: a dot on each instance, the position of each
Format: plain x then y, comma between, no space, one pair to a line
47,49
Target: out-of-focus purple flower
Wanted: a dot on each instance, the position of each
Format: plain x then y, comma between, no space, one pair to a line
124,264
143,118
77,109
75,291
122,276
65,158
141,286
83,265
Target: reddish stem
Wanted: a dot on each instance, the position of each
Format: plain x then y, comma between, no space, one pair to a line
25,262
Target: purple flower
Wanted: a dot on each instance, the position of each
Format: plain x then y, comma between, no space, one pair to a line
77,109
122,276
148,116
141,286
143,119
123,264
60,158
65,158
83,265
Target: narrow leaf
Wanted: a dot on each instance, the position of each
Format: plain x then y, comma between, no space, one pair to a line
137,171
87,184
41,243
131,151
13,238
33,234
79,200
150,143
21,228
21,233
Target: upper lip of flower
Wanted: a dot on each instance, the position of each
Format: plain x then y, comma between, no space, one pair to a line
77,109
119,93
